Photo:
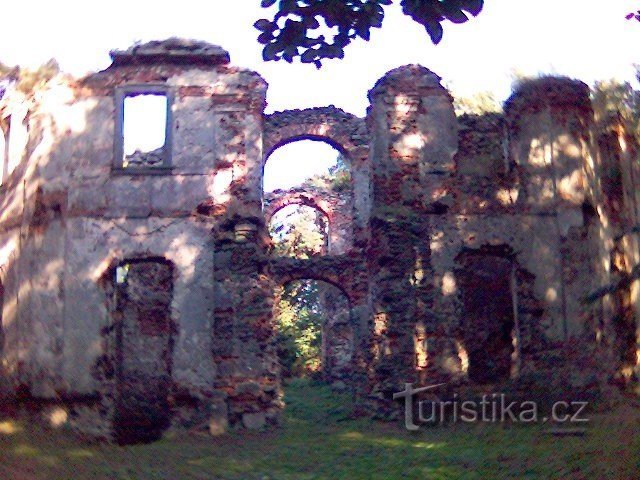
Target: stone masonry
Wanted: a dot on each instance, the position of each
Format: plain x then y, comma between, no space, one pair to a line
138,296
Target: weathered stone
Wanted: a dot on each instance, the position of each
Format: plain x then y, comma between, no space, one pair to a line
145,297
173,50
254,421
219,420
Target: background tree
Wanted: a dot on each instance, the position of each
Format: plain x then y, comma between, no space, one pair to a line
613,96
299,233
300,319
25,79
317,29
477,104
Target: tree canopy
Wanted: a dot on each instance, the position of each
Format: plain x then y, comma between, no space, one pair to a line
634,15
26,79
314,30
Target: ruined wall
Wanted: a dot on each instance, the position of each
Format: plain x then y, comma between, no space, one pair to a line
617,160
537,202
69,216
520,186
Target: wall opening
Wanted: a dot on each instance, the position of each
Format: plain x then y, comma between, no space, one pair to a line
305,163
144,330
315,333
299,231
14,140
486,289
143,127
307,183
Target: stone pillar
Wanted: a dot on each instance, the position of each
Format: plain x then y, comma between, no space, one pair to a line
619,180
414,138
243,351
549,121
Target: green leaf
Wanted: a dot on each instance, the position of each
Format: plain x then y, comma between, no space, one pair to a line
434,29
263,25
270,52
474,7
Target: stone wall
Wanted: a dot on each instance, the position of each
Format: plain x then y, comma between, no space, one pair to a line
539,201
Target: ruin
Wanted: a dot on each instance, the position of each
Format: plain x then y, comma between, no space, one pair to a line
138,286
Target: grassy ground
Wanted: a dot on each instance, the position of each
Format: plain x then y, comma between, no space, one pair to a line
318,441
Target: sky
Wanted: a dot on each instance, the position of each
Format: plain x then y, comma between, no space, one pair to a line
284,169
584,39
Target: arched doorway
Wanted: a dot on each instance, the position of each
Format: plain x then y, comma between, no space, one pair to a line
315,336
307,193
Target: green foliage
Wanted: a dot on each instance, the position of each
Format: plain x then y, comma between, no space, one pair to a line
27,80
300,234
306,29
612,96
340,175
317,402
477,104
299,231
337,178
300,322
318,441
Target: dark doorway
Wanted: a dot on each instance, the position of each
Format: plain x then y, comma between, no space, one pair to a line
486,289
144,333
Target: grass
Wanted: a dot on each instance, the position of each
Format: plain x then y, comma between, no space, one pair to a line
318,440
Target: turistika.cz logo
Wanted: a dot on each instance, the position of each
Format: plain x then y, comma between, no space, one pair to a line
491,408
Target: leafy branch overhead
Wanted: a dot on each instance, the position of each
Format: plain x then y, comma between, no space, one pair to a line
314,30
634,15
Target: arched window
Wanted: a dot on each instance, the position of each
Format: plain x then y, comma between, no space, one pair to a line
305,163
307,188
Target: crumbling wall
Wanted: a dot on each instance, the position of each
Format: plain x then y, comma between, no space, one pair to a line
68,216
550,120
343,131
414,138
531,189
618,171
243,349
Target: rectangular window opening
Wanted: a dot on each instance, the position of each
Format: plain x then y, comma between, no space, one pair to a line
14,137
144,117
